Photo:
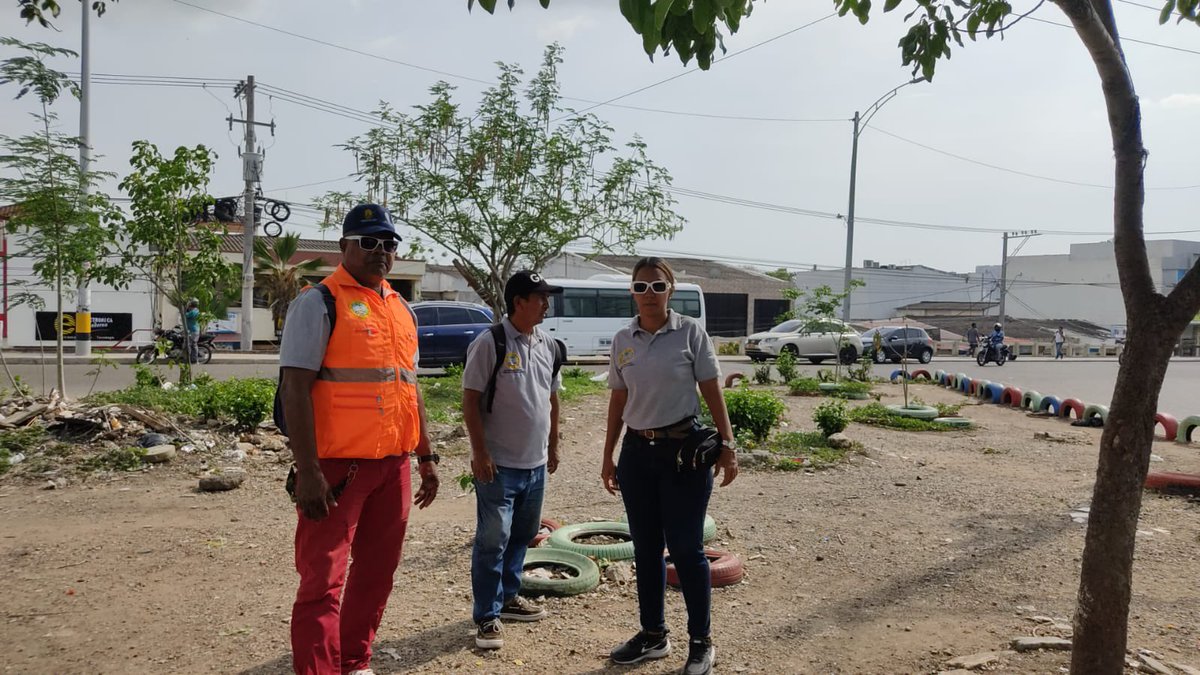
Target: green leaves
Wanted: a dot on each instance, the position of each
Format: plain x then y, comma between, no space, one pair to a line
1189,10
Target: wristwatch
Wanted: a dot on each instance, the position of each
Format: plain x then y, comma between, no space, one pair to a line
732,445
431,457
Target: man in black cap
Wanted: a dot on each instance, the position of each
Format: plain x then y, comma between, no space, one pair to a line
510,408
354,416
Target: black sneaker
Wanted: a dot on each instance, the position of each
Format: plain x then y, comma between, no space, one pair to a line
644,645
488,635
701,657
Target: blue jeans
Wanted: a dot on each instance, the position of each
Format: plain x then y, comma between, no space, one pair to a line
508,514
666,506
1058,350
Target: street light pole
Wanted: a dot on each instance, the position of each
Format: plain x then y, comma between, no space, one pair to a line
860,123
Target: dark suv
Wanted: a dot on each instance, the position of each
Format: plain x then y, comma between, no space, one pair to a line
898,342
445,329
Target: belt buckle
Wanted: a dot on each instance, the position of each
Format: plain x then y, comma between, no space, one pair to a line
650,434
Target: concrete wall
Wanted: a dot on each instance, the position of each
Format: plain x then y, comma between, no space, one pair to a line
888,289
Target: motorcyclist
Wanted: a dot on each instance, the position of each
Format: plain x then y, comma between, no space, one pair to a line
996,340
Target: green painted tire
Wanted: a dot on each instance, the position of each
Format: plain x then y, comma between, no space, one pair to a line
981,388
565,536
920,412
856,395
829,387
1100,411
586,573
1031,400
953,421
1186,425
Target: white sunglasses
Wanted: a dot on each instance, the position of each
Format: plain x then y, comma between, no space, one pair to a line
369,243
659,287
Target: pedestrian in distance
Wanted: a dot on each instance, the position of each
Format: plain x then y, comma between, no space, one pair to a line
656,364
510,408
354,415
191,320
972,339
1059,338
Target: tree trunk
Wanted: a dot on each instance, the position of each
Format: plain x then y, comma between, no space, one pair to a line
1155,322
59,361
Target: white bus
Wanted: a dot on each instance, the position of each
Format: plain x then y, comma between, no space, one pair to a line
589,312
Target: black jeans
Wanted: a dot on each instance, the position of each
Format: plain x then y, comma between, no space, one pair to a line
666,506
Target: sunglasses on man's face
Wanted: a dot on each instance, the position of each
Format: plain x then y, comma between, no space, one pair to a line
659,287
367,243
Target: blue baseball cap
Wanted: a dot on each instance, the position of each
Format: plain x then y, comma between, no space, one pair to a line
369,219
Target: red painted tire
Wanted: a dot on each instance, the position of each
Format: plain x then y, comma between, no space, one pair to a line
724,569
733,377
922,373
1162,480
1011,396
548,525
1169,424
972,385
1069,404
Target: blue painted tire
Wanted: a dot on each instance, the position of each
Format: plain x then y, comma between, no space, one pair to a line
964,383
895,374
980,389
939,376
995,390
1051,404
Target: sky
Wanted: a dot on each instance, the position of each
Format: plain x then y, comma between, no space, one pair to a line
1029,105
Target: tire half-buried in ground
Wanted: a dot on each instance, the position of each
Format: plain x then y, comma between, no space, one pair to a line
724,569
583,573
566,538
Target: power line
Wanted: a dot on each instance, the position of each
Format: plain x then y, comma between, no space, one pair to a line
1015,171
1123,38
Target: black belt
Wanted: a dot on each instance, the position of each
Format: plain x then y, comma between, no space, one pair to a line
677,431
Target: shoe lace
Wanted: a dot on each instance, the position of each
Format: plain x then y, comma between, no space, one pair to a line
490,626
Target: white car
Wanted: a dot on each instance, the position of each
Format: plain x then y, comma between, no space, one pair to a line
754,343
817,340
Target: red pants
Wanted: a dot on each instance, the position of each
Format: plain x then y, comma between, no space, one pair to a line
331,631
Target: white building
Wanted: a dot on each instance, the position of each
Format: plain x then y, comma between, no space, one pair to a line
889,287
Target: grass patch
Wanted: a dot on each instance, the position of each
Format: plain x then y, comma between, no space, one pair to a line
443,397
115,459
577,383
948,409
23,441
800,444
877,414
804,386
178,401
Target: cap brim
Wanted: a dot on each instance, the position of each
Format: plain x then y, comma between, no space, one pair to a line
373,231
544,287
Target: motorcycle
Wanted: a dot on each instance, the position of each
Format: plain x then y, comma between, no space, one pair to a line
170,345
997,353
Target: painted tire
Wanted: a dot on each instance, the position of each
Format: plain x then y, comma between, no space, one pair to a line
939,376
981,387
548,525
1031,400
710,527
1169,424
964,384
920,412
1050,404
564,538
1068,405
829,387
1100,411
1184,435
1011,396
1162,480
585,577
895,374
953,421
724,569
732,379
921,373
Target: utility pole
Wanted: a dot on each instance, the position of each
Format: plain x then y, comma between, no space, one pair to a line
83,304
1023,234
850,222
252,174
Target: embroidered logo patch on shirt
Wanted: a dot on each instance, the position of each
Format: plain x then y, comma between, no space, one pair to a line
625,357
512,361
359,308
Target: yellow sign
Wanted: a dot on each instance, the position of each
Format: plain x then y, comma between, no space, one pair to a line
67,327
625,357
359,308
512,361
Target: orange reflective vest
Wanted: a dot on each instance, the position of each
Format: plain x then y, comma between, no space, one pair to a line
365,395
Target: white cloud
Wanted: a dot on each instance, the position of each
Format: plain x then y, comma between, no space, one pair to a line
1181,101
562,29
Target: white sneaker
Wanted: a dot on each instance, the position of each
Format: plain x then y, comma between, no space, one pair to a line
364,671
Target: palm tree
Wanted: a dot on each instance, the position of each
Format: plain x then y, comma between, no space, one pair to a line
278,279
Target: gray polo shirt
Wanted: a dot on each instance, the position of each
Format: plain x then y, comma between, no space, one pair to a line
517,432
660,370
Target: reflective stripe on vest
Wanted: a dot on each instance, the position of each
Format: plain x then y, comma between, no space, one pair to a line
367,374
365,395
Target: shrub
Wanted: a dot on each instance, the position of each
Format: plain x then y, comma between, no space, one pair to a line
862,370
948,409
115,459
247,401
143,376
831,417
756,412
805,386
786,365
762,374
454,370
877,414
729,349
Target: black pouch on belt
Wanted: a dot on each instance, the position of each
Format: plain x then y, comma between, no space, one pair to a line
700,450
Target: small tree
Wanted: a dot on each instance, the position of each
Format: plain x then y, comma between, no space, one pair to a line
60,223
513,183
179,256
277,277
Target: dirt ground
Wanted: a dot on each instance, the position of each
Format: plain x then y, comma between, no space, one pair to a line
924,547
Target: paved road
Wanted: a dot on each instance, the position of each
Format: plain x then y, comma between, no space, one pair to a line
1090,380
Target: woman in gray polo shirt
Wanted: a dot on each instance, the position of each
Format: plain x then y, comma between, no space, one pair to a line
657,361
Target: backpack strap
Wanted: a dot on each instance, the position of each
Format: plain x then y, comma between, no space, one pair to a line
560,357
330,305
330,311
501,341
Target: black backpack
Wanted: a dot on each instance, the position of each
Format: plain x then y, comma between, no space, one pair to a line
331,312
501,342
